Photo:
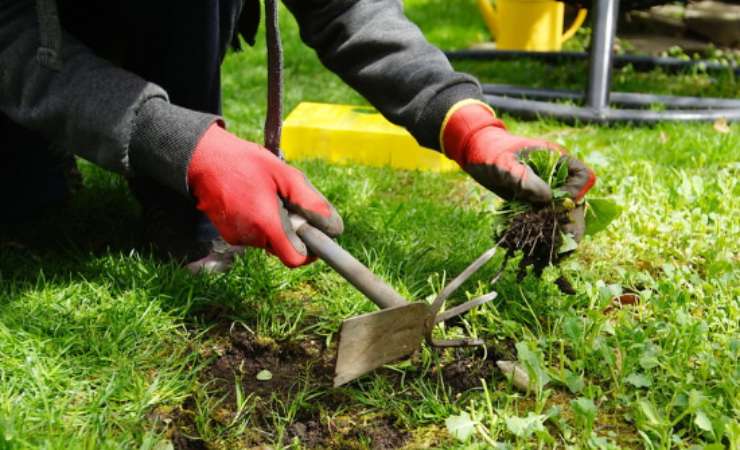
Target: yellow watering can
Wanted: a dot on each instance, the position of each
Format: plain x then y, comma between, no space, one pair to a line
532,25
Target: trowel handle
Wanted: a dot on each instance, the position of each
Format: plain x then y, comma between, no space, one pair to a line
346,265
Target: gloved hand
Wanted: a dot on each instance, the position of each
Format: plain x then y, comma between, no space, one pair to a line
247,192
480,144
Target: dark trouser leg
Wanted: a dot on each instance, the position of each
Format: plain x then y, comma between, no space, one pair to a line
32,175
177,45
180,47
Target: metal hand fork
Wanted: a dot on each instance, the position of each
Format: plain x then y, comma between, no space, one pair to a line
371,340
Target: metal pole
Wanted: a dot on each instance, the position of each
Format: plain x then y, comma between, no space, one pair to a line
600,61
572,114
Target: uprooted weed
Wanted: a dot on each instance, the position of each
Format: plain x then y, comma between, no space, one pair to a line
538,231
538,235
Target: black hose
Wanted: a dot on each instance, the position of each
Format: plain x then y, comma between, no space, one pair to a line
639,62
627,5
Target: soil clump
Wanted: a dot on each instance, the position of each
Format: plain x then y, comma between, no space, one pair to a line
465,373
465,370
538,234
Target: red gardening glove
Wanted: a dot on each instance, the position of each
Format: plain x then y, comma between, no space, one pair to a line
480,144
247,192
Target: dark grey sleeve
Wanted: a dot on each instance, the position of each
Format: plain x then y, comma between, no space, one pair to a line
89,106
375,49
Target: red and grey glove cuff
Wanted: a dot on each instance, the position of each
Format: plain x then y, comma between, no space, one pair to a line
462,121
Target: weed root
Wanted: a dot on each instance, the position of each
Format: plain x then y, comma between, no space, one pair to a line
538,234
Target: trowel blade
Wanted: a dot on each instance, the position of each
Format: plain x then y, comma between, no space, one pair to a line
371,340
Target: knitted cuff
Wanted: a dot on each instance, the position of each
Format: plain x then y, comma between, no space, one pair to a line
163,140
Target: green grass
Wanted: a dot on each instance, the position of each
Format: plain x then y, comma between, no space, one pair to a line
105,347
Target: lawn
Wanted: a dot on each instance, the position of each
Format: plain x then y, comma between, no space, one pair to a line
104,346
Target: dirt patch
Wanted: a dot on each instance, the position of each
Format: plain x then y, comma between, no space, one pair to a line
300,386
296,368
465,373
181,441
311,433
241,356
234,358
465,370
347,432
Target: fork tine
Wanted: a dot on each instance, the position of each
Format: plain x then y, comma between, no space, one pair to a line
465,307
453,285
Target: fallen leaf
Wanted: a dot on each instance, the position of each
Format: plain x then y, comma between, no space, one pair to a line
264,375
626,299
461,427
721,126
618,301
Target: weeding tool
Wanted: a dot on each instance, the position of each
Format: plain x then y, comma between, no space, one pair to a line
371,340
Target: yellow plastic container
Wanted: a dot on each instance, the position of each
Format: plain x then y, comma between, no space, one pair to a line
348,134
531,25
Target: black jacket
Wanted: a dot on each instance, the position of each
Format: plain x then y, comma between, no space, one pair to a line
52,83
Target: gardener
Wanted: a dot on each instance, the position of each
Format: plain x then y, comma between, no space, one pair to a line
134,87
